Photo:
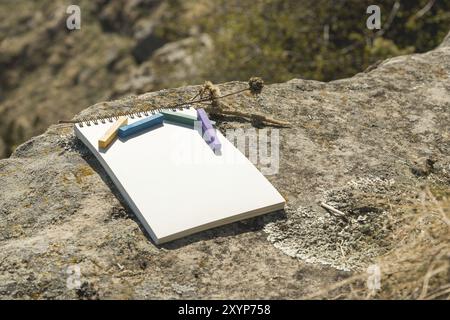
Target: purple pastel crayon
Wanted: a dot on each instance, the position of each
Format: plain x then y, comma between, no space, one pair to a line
209,133
215,145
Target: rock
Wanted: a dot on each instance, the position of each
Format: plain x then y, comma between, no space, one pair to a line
146,46
138,19
179,51
174,62
123,16
147,40
352,143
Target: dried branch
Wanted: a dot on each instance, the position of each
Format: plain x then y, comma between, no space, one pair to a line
333,210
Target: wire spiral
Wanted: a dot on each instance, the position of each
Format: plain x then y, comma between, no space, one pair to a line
134,113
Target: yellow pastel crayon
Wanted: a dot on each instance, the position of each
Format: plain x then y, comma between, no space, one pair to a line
109,135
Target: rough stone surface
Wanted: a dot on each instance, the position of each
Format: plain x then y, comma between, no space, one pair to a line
364,145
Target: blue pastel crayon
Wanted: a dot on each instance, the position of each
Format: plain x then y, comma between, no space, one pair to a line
140,125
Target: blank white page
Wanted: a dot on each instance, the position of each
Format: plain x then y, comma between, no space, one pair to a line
174,182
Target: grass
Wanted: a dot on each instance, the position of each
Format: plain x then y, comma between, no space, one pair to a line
418,265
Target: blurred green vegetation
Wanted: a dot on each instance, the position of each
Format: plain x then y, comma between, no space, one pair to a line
320,39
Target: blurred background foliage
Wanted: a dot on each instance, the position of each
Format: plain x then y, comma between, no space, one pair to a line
311,39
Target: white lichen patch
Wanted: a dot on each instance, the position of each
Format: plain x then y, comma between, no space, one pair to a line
348,243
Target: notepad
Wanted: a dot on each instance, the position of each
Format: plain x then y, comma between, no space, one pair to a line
175,184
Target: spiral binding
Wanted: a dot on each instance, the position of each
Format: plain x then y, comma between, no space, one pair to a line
139,113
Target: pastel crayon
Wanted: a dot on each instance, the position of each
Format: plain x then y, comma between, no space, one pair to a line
215,145
140,125
109,135
179,117
207,126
